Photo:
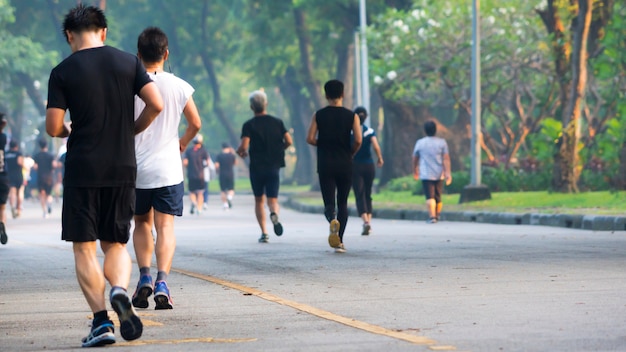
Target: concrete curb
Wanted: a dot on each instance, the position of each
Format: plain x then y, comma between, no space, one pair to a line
585,222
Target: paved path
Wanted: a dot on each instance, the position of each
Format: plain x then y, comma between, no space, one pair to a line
410,286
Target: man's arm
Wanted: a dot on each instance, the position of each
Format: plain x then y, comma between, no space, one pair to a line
416,166
193,124
287,140
242,150
447,174
150,95
55,123
358,134
311,136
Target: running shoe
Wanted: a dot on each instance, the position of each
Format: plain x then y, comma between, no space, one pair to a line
130,324
100,335
162,297
3,234
431,221
366,229
340,249
333,239
278,227
264,238
193,209
143,291
230,203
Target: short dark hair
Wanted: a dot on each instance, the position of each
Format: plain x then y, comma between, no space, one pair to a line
333,89
152,44
362,113
13,144
43,143
430,127
83,18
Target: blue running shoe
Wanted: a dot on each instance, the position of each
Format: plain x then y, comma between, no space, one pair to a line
143,291
162,297
131,327
100,335
278,227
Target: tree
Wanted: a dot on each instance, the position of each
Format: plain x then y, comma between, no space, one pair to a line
571,52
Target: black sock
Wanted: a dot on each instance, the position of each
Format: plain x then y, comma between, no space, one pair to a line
100,317
161,276
144,270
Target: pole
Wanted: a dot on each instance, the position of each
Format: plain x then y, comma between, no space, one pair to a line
476,96
357,55
365,81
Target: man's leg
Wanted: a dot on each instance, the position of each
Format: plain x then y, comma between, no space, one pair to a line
259,211
344,184
89,274
431,206
165,248
144,247
199,200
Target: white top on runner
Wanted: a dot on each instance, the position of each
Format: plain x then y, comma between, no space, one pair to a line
431,151
157,148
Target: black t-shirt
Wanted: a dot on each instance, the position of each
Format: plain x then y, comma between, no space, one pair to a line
98,86
44,165
10,160
267,142
226,161
334,147
196,158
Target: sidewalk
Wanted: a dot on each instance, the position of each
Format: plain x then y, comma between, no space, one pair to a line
585,222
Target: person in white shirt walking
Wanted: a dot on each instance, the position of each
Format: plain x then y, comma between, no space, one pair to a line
431,164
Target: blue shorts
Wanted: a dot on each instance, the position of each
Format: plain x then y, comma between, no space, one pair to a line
167,200
265,182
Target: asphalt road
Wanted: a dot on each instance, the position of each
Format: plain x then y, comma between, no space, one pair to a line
409,286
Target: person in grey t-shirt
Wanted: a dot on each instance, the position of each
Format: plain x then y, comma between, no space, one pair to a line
431,164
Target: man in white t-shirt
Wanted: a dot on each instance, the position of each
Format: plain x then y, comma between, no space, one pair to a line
160,187
431,164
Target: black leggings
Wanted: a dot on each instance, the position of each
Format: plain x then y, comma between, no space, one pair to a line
362,181
336,183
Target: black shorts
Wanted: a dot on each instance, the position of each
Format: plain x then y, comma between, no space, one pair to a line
265,182
433,189
44,183
227,183
4,189
166,200
16,182
197,185
102,213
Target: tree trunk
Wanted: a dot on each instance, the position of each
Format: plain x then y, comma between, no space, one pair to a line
300,112
304,44
566,168
215,86
345,72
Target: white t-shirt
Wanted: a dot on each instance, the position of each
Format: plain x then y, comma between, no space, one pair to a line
157,148
431,151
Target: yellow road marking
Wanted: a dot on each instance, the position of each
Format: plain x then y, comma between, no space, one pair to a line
180,341
375,329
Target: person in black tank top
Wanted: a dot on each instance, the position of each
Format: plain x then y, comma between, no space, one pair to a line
330,131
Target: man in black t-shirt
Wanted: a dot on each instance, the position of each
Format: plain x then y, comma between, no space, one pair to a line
196,159
330,130
97,84
14,162
225,164
44,164
265,138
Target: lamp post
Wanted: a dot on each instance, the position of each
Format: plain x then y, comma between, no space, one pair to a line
475,190
365,82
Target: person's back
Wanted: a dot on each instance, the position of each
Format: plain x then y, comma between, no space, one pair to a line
431,151
334,147
44,161
97,86
226,162
157,148
267,146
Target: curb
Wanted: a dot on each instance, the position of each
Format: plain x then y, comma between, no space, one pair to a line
584,222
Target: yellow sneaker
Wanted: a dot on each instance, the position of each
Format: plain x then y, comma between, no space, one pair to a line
333,239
